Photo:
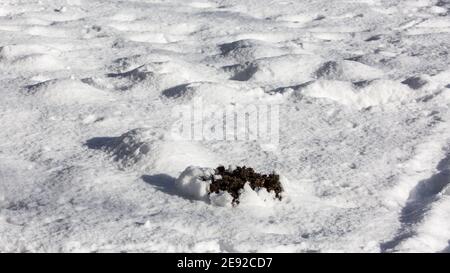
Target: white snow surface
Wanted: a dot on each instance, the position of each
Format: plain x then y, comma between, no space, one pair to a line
193,182
88,89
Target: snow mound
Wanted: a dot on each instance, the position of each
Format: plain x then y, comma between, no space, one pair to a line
214,93
157,75
248,198
221,199
172,73
284,69
375,93
147,149
68,91
11,52
30,57
38,62
192,182
382,92
339,91
258,197
250,50
126,80
129,148
347,71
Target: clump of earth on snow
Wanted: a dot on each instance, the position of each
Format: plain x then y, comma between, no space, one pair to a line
223,187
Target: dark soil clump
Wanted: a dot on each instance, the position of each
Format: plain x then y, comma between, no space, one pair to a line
233,180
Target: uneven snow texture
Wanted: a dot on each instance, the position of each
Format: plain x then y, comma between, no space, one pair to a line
88,88
193,184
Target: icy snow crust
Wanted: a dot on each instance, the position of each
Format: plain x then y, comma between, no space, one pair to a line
87,92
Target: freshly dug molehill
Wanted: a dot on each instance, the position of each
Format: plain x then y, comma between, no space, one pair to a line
234,180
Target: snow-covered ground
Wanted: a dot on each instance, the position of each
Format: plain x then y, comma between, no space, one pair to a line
88,90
